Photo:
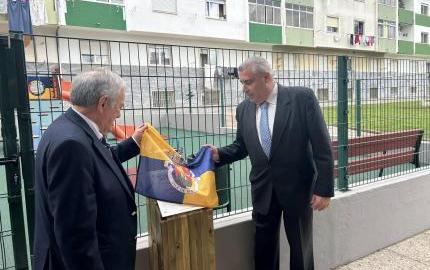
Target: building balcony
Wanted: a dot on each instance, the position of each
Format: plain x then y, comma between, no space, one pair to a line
422,20
265,33
406,47
406,16
302,37
108,16
406,33
422,48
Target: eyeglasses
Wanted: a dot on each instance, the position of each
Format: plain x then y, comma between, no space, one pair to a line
247,82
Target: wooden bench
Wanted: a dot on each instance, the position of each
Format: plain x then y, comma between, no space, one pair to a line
380,151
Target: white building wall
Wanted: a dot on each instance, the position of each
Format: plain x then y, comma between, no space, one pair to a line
409,4
189,20
417,5
418,30
347,11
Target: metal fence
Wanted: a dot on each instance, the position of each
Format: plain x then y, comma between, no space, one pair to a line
377,109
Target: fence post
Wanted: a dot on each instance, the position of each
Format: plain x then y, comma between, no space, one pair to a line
8,103
358,107
25,132
342,121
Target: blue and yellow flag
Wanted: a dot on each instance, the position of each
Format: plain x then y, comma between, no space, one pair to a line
163,174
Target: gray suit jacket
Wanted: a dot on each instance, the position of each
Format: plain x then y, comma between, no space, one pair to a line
300,162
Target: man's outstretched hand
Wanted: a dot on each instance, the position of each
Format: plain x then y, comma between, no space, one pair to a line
138,133
320,203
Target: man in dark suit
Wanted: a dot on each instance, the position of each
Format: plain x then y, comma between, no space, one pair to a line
283,132
85,209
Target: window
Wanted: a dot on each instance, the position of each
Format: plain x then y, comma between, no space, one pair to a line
215,9
424,9
210,97
381,28
299,16
332,24
403,31
387,29
160,55
163,99
428,69
203,59
424,37
322,94
94,58
413,90
95,52
168,6
358,28
388,2
394,91
265,11
391,26
374,93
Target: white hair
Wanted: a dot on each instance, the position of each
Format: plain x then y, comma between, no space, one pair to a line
89,86
257,65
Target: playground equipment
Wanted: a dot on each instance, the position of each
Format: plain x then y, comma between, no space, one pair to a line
45,93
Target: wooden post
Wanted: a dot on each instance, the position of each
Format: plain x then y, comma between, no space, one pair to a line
181,242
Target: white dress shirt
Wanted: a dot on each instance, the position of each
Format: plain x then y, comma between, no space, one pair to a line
271,109
94,127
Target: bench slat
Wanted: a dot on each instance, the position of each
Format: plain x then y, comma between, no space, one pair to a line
380,142
378,162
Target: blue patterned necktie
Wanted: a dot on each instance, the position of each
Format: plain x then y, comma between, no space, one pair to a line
266,139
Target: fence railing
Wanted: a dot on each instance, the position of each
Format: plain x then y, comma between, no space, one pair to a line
190,95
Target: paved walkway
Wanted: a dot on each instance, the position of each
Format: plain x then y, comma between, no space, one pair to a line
410,254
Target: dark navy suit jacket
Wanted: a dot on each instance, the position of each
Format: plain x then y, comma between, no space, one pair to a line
85,208
300,162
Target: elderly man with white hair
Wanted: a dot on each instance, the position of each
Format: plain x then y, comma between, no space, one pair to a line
85,209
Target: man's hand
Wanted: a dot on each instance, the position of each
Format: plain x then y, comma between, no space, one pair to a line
320,203
138,133
215,154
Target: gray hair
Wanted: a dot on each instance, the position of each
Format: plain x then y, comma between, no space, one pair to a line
89,86
257,65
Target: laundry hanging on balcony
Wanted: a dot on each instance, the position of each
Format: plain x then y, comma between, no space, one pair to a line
367,41
19,16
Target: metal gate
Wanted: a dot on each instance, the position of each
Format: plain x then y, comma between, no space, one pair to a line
16,158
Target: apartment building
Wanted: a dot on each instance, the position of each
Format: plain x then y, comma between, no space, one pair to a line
167,35
379,26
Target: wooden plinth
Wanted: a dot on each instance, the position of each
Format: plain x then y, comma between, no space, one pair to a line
181,242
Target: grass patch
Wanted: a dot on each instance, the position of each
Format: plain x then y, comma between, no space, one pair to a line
383,117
